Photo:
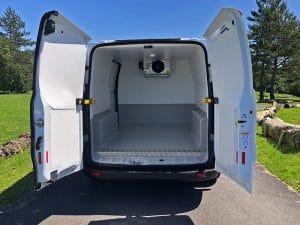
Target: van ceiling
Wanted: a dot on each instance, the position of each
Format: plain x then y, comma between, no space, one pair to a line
135,52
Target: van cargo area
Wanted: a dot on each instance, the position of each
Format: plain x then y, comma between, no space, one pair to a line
140,118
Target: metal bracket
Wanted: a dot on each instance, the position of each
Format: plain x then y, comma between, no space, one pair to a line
53,176
39,122
38,143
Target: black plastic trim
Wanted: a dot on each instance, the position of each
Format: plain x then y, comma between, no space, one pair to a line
190,176
87,158
44,18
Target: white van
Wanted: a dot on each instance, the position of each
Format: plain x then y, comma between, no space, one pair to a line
166,109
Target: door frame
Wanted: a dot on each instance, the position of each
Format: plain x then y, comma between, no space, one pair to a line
88,162
44,18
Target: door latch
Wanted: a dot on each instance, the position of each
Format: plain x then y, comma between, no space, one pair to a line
237,122
80,101
210,100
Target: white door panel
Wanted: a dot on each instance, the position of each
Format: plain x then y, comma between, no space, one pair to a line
58,87
62,145
59,79
231,72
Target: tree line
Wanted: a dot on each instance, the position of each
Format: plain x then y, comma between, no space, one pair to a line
274,39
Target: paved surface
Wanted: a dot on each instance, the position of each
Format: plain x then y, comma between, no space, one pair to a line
78,200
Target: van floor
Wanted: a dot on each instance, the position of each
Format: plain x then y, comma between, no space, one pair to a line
151,144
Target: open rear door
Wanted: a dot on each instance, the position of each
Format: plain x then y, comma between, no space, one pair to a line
56,120
231,74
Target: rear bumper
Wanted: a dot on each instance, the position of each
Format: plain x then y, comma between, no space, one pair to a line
188,176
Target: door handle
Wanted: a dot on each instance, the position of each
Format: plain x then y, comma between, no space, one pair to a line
242,121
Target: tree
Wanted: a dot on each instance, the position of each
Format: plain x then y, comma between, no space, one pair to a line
16,59
274,42
292,72
285,38
294,75
258,45
14,29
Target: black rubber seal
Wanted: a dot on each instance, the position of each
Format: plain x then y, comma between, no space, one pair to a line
117,86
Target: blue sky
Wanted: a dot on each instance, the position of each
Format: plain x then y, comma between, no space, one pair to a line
128,19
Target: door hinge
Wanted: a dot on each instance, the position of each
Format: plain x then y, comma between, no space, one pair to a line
49,27
210,100
209,73
80,101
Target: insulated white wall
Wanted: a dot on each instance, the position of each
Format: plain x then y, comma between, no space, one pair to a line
197,68
134,88
101,82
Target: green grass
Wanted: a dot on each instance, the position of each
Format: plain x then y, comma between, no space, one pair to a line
16,177
279,97
14,115
290,115
286,166
282,162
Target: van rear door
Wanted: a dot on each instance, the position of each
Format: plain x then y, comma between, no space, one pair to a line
56,119
234,116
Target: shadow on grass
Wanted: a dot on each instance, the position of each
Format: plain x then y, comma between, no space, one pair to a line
18,189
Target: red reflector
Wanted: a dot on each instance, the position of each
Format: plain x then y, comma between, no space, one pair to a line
243,157
40,158
95,173
46,156
201,174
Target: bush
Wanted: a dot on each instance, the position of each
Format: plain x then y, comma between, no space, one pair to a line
13,78
15,75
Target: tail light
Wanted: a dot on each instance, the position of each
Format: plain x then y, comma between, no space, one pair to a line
201,174
95,173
